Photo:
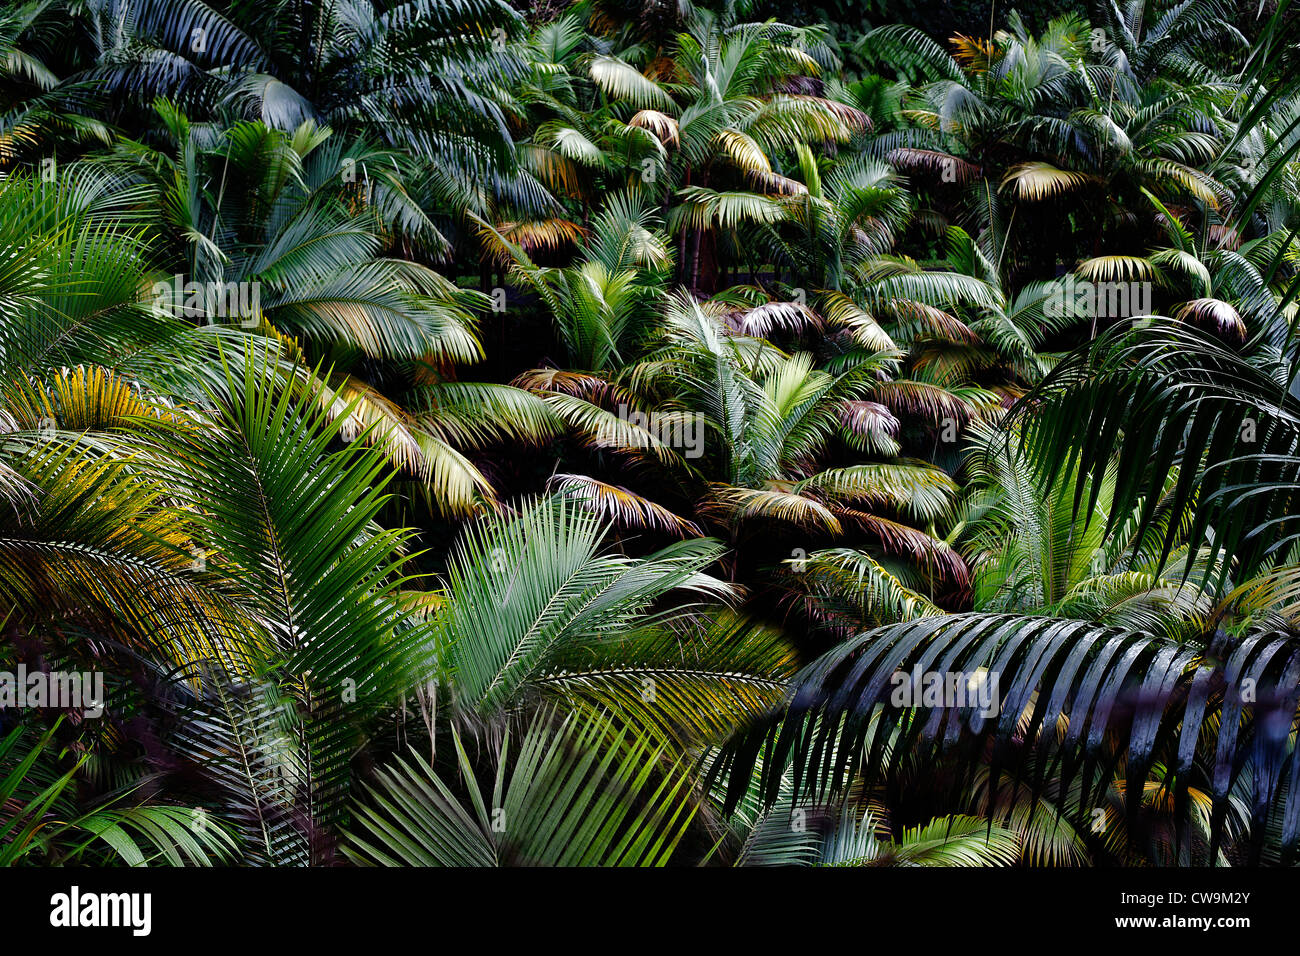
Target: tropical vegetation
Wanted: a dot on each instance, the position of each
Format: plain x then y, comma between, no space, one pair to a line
480,434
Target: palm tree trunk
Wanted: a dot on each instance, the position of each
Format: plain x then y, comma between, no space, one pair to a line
695,260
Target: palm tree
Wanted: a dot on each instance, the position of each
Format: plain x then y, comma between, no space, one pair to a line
301,219
744,434
735,115
544,639
1032,553
1052,674
428,79
1049,118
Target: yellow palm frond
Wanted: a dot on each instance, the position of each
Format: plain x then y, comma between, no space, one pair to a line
624,507
1117,268
384,422
733,505
1203,187
85,398
842,312
663,126
914,488
743,151
558,173
534,235
1038,180
455,485
974,54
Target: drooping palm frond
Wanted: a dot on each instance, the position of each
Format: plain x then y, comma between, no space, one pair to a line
1124,268
95,542
477,414
619,430
622,507
843,312
538,235
921,492
1213,315
762,320
1038,180
430,432
661,124
372,414
1126,699
1178,399
870,427
703,208
735,504
842,580
385,308
622,80
923,400
946,167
